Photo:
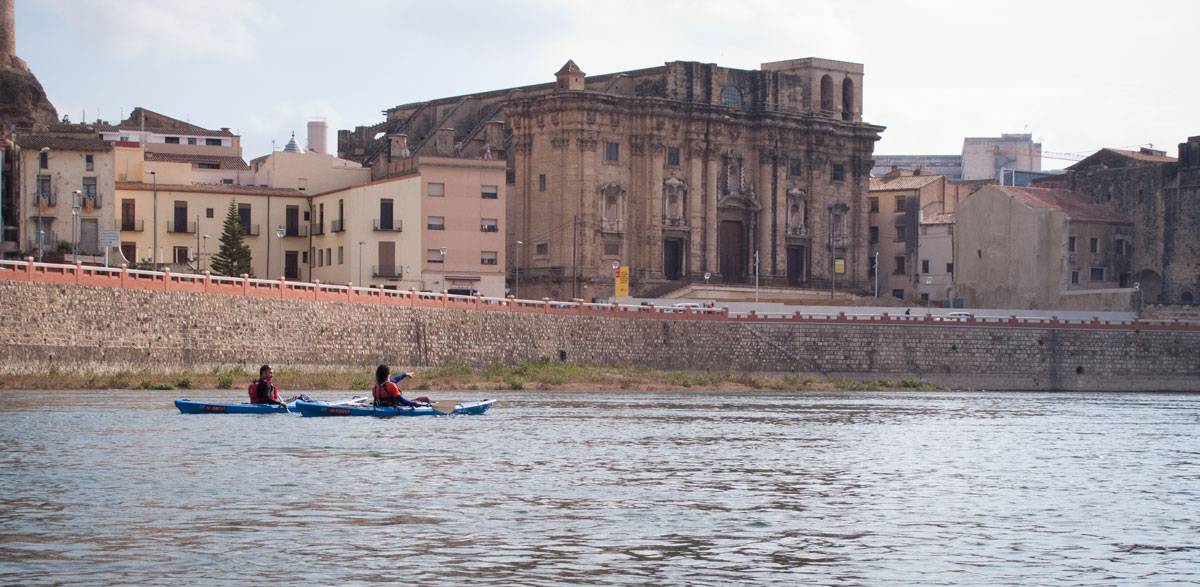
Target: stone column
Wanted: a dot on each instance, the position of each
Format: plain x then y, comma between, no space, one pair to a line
696,211
587,209
710,211
767,214
655,155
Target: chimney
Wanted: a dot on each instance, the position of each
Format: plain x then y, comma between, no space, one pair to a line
398,146
444,144
318,131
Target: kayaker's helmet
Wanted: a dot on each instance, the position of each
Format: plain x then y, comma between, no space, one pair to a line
381,373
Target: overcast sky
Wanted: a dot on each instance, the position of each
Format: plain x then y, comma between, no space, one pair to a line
1077,75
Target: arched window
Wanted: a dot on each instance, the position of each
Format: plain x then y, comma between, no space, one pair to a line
826,93
847,99
730,96
1187,298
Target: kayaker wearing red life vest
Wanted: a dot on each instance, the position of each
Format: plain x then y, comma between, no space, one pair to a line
387,393
262,391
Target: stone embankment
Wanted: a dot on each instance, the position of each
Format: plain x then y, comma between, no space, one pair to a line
70,318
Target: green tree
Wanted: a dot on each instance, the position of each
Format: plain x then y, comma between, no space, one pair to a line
234,257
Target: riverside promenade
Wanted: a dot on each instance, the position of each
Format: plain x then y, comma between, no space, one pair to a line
109,319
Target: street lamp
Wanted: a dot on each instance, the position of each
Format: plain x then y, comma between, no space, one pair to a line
279,234
876,273
154,216
200,265
443,251
360,245
76,204
517,268
756,276
41,224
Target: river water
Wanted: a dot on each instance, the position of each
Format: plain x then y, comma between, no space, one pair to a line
607,489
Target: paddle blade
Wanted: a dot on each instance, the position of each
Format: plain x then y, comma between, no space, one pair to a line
445,406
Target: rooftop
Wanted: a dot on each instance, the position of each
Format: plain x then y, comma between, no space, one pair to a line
37,141
892,182
211,188
1074,205
150,121
225,162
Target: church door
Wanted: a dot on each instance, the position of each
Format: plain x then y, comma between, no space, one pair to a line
732,243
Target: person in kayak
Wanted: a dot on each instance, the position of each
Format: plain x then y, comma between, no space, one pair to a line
262,391
387,393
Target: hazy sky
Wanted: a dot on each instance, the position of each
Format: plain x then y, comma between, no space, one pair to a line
1078,75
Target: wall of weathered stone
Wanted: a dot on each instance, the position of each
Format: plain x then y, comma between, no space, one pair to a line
106,329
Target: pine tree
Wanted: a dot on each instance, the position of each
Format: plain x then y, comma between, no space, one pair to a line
234,257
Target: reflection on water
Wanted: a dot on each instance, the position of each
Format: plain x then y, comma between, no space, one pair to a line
854,488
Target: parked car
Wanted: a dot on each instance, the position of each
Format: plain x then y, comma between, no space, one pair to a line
955,317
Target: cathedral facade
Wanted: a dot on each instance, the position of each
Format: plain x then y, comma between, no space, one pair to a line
688,172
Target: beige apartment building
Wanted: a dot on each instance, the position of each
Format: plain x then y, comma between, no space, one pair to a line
1041,248
65,192
369,234
215,156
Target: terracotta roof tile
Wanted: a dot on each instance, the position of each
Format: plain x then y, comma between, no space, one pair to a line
903,182
62,143
211,188
1074,205
225,162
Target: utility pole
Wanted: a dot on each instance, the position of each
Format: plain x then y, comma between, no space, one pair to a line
876,273
154,214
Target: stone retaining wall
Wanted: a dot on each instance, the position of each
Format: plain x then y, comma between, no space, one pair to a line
107,329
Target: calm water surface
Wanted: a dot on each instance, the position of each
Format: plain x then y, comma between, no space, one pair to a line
611,489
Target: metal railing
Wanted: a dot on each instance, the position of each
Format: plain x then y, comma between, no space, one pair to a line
337,226
29,270
612,225
387,271
48,198
185,228
317,228
390,226
675,222
250,230
489,228
294,230
800,231
131,225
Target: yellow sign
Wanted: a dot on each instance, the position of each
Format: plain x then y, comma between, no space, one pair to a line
622,282
839,266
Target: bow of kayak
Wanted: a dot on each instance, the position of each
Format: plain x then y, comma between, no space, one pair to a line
187,406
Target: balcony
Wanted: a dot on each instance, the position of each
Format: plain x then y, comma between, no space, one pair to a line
181,227
612,225
46,199
387,271
92,202
131,225
337,226
390,225
798,231
250,230
675,222
317,228
293,230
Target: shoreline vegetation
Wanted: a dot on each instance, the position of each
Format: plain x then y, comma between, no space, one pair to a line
533,375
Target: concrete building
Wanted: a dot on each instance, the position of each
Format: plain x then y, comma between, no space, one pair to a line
1041,248
1158,194
64,195
982,158
911,217
676,171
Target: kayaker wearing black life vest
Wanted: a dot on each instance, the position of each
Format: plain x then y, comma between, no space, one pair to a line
387,393
262,391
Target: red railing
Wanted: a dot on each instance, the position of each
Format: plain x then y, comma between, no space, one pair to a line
121,277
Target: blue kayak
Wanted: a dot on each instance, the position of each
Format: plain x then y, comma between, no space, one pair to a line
188,406
320,409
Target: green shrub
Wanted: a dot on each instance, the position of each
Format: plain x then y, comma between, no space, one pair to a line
359,381
184,382
225,380
515,383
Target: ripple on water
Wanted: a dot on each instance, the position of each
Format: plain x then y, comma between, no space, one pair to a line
612,489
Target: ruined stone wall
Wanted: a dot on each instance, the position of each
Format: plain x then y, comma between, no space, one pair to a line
74,327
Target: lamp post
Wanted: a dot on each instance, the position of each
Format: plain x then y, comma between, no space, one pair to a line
154,217
76,204
41,224
756,276
282,269
360,245
443,251
876,273
204,242
517,269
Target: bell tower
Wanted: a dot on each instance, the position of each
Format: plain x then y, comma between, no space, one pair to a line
8,34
